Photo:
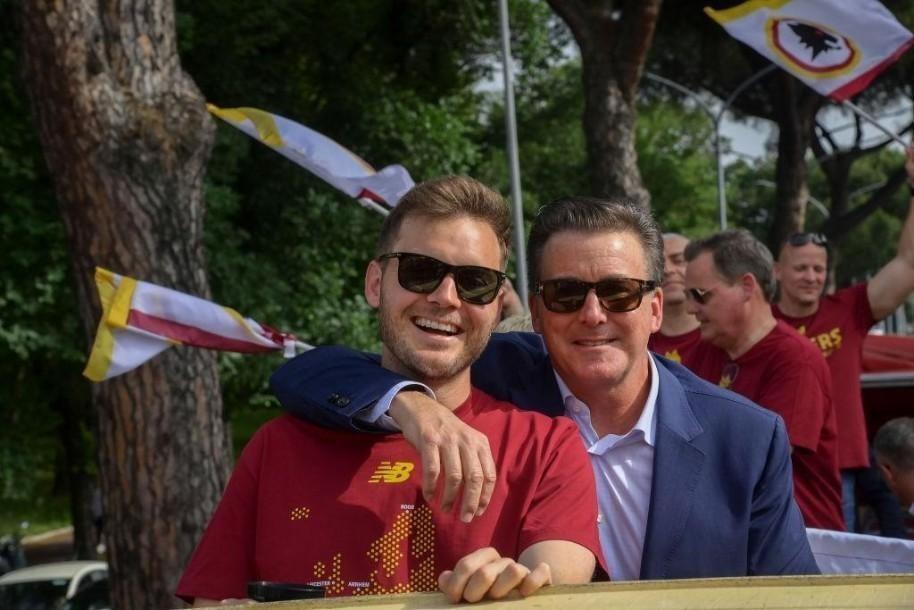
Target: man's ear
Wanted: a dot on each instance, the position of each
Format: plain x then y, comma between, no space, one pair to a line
535,317
373,284
656,309
749,284
888,473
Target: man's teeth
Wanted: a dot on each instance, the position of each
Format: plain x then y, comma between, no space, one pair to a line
433,325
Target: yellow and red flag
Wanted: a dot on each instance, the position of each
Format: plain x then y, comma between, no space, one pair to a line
320,155
837,47
140,320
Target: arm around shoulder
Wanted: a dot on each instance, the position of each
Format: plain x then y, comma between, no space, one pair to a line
332,386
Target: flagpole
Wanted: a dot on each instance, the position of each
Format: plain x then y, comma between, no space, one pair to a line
716,119
368,204
513,164
871,119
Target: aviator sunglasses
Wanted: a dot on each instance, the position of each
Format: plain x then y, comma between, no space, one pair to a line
423,274
801,239
616,294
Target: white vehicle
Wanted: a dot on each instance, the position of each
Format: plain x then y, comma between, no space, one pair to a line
48,586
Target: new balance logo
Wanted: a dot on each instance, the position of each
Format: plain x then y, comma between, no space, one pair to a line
392,473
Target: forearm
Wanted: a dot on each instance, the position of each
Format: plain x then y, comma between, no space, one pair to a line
569,562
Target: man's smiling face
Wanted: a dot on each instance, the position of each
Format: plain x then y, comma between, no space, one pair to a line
593,348
436,336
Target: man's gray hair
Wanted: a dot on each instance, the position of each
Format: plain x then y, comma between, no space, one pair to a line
591,215
736,252
894,443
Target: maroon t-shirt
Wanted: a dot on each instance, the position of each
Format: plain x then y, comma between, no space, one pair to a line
674,347
783,372
838,329
345,510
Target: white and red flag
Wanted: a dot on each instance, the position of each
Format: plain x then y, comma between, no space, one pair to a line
837,47
320,155
140,320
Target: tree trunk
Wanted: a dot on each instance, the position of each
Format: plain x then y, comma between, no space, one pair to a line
614,39
126,136
795,108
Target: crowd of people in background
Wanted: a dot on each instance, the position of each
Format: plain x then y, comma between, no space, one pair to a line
713,388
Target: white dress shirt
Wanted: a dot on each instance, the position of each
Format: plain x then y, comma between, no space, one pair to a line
623,468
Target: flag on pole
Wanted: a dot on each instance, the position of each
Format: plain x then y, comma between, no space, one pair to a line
837,47
320,155
140,320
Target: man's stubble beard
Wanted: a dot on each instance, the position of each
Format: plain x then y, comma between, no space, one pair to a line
421,368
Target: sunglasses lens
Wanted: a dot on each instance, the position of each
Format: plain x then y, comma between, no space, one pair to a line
564,296
423,274
619,295
477,285
696,295
420,274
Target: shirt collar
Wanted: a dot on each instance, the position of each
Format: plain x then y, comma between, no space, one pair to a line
647,422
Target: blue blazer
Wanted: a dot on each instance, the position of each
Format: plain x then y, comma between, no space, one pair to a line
722,495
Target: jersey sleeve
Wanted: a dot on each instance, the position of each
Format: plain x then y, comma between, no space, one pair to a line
564,505
223,561
860,303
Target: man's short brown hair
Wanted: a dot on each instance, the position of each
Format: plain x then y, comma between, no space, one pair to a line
449,197
735,252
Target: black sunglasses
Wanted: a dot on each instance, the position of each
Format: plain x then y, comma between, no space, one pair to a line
423,274
698,295
616,294
801,239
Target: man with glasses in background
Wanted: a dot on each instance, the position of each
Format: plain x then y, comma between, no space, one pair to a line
837,324
730,285
344,511
692,481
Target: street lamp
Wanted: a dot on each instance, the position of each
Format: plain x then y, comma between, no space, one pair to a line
513,162
716,119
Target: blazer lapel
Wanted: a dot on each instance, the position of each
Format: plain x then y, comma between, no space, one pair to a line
677,468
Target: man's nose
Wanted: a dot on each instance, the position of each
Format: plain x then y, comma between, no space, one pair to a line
445,295
592,313
691,304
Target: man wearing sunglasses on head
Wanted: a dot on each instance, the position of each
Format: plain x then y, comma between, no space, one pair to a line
729,282
692,481
838,323
345,510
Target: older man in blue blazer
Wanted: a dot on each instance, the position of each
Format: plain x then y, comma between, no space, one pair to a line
693,481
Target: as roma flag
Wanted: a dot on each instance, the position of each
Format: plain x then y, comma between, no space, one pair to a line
837,47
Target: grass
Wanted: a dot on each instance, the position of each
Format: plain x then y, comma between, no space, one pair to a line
43,514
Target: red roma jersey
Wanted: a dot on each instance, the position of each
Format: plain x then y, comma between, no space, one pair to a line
675,347
783,372
345,510
838,329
